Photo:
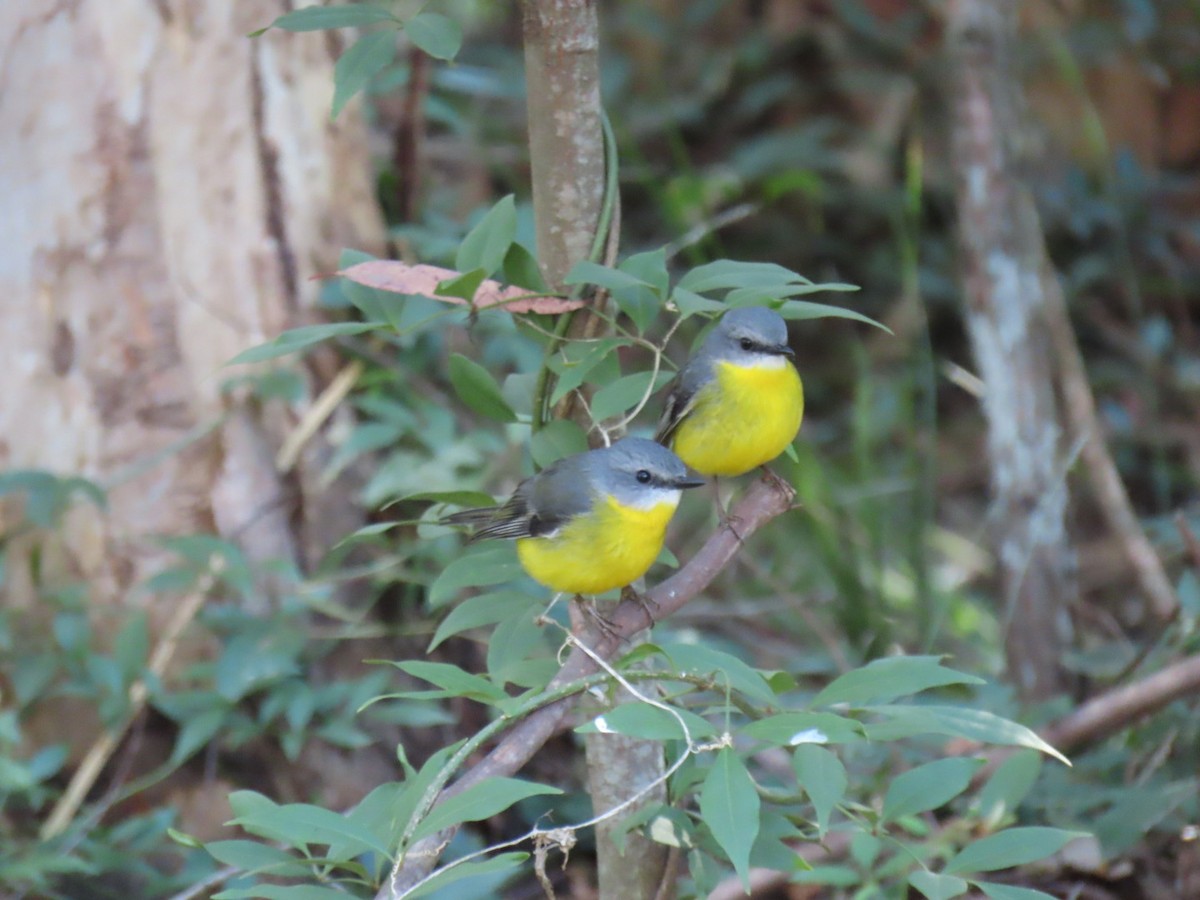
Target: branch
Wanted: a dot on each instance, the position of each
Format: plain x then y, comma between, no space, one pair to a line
760,504
1110,491
1120,707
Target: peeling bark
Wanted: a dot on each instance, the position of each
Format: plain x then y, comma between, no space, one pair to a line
1005,271
171,187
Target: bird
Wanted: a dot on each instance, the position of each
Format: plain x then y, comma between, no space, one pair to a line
737,402
590,522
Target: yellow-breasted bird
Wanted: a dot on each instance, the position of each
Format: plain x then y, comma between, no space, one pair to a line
591,522
738,401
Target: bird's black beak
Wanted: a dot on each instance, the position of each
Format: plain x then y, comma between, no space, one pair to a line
689,482
782,350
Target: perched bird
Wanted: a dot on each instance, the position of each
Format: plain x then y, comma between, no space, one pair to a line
738,401
589,522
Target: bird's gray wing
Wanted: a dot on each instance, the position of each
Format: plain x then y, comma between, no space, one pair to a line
540,505
681,398
560,492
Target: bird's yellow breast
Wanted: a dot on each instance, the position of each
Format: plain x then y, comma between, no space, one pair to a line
610,547
743,418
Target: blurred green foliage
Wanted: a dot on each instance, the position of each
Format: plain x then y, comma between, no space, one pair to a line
821,149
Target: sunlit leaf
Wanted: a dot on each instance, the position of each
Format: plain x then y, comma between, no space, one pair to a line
973,724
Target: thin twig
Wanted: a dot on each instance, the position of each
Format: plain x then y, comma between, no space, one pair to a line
1102,471
316,414
102,748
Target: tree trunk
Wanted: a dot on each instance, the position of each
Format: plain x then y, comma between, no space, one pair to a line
562,68
1005,272
172,187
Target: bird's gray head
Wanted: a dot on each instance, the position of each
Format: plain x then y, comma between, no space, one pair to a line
750,336
640,473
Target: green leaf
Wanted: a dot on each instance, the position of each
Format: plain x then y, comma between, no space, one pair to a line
928,787
937,887
1012,847
473,868
690,303
318,18
774,295
625,393
521,268
795,728
1011,891
1135,811
479,801
650,268
641,720
642,302
300,824
823,778
486,245
197,731
436,34
463,286
799,309
250,856
891,677
365,58
576,360
724,274
519,652
131,648
478,390
973,724
453,680
298,339
485,609
724,667
729,806
587,272
493,562
1010,783
281,892
555,440
456,498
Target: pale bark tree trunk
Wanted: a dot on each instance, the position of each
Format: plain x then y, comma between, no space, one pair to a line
1005,274
169,188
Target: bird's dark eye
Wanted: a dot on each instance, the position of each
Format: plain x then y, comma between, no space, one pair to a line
747,344
642,476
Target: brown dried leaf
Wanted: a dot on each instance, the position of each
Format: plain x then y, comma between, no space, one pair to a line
401,278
